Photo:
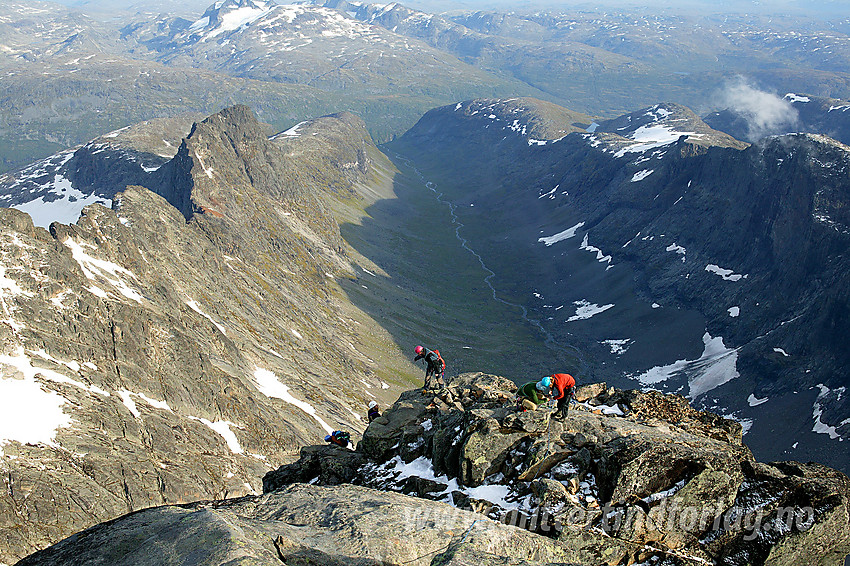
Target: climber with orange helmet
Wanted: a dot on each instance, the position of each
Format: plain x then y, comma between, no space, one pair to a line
434,367
562,389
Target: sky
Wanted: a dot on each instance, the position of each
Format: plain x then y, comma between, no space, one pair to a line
827,9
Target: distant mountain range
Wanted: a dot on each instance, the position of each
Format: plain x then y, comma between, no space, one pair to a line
387,63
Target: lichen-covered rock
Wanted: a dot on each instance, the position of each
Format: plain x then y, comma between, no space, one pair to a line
385,434
306,525
484,452
328,464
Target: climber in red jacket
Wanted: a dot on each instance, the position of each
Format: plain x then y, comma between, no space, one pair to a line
562,390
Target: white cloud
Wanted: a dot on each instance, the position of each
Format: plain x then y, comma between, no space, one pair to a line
766,113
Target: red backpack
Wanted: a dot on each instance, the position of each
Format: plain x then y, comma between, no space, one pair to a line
442,362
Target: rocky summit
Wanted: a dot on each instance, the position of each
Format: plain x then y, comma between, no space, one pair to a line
459,477
629,477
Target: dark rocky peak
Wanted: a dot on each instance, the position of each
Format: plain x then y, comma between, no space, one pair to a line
824,163
526,121
630,476
226,157
58,187
664,123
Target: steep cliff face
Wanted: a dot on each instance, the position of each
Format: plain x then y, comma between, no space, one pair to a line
57,188
718,267
148,359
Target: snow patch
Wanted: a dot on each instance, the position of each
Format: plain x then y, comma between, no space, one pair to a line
587,309
641,175
726,274
791,97
423,467
734,312
129,403
23,363
600,257
29,414
678,249
291,132
716,366
754,401
618,347
651,137
270,386
817,412
94,268
560,236
66,209
194,306
223,429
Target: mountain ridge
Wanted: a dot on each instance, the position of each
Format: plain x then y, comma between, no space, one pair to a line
166,359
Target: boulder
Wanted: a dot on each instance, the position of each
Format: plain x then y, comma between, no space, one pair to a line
528,421
548,492
485,450
385,434
328,464
423,487
586,392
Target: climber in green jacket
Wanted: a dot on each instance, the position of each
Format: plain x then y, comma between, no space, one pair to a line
530,395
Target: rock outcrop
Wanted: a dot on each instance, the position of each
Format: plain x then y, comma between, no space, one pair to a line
459,477
304,525
629,477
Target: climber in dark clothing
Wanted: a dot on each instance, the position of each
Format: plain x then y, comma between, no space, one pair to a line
563,388
531,395
373,413
433,369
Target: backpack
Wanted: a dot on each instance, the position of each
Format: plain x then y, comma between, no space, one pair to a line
439,362
342,436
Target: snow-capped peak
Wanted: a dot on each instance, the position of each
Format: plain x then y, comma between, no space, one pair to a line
230,15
